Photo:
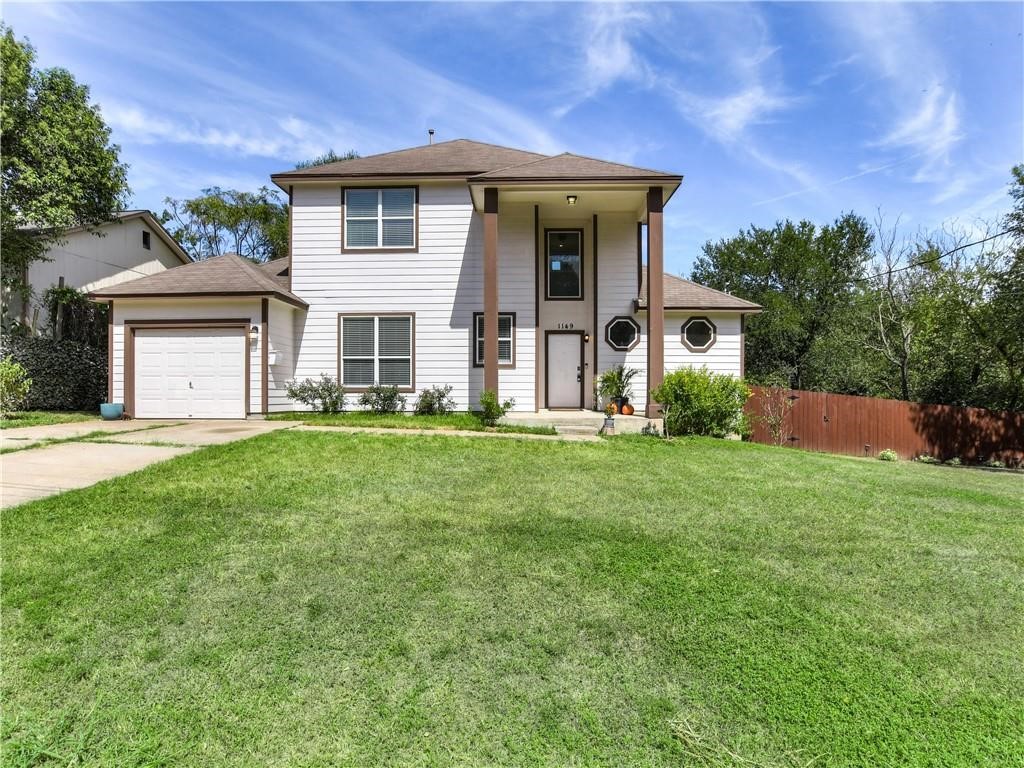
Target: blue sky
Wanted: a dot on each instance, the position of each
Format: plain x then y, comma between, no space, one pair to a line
797,110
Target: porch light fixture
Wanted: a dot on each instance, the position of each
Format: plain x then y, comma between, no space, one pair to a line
254,333
571,199
586,338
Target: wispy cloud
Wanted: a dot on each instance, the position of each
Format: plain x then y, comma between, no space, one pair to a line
728,118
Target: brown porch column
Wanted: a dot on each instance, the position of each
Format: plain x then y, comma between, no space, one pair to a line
655,297
491,289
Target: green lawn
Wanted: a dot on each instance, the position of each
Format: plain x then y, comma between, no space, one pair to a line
451,421
322,599
39,418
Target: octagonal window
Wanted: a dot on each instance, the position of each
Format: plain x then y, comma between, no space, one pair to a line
699,334
622,333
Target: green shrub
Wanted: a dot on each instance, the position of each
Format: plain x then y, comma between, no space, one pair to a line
66,375
14,386
324,394
888,455
994,464
382,398
954,462
435,400
925,458
491,410
616,382
696,401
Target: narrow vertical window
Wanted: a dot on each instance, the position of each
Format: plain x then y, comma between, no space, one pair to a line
145,240
565,264
506,339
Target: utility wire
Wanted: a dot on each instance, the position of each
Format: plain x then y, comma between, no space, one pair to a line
933,259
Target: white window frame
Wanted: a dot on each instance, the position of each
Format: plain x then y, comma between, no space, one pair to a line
478,321
377,357
380,218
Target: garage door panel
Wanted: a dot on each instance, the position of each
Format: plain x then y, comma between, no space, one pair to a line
190,373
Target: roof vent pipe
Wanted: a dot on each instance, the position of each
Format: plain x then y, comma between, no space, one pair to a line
430,133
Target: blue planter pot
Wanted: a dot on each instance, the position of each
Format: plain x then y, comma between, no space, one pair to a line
111,411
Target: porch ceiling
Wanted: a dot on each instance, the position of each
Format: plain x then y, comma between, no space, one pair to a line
591,198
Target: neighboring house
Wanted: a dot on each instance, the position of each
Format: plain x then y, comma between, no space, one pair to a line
132,245
458,263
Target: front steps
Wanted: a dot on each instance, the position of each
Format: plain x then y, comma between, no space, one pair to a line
579,422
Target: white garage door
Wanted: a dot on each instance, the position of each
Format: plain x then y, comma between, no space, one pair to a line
196,373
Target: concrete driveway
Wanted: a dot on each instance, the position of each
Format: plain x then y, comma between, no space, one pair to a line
86,458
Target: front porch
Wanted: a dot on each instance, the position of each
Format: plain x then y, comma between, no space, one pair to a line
579,422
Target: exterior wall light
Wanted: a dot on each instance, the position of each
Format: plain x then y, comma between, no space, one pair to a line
254,333
571,199
586,338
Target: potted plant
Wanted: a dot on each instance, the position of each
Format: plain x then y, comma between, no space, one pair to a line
615,384
609,419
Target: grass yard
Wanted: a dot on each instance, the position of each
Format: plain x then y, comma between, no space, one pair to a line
317,599
451,421
41,418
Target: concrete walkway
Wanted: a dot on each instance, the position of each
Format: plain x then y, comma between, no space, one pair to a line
35,473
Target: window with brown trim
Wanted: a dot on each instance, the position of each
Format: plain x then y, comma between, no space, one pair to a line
564,264
699,334
382,218
506,339
622,333
376,349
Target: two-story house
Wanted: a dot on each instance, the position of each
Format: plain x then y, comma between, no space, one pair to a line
458,263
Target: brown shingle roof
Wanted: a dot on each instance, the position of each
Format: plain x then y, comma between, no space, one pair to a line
459,157
576,167
685,294
476,161
227,275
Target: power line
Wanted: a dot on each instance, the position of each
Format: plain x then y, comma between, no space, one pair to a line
933,259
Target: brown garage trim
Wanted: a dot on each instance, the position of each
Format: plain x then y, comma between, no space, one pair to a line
130,326
294,301
110,351
547,368
265,354
743,346
412,344
415,220
537,338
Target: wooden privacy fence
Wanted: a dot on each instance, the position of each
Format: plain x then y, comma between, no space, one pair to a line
865,426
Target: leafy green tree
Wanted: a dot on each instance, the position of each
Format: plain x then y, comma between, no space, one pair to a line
803,275
330,156
59,168
219,221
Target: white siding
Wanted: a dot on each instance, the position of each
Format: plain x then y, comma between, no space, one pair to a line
441,284
724,355
617,290
89,262
281,327
186,309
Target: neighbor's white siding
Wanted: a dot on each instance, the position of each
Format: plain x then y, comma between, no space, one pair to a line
89,262
190,309
441,284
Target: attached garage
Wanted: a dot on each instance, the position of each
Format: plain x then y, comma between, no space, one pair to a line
209,340
190,373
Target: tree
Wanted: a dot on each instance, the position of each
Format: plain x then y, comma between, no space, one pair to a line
59,169
330,156
803,276
251,224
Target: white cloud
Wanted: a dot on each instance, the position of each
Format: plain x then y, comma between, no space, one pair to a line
728,118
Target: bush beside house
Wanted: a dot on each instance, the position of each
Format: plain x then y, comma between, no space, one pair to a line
696,401
65,375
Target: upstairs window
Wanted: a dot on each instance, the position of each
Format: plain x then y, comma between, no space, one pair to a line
376,350
506,339
145,240
565,264
380,218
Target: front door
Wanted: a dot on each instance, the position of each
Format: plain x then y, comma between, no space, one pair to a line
564,367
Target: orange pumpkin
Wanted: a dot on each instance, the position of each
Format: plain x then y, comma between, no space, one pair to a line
627,410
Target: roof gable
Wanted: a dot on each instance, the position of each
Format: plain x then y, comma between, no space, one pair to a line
570,166
227,275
